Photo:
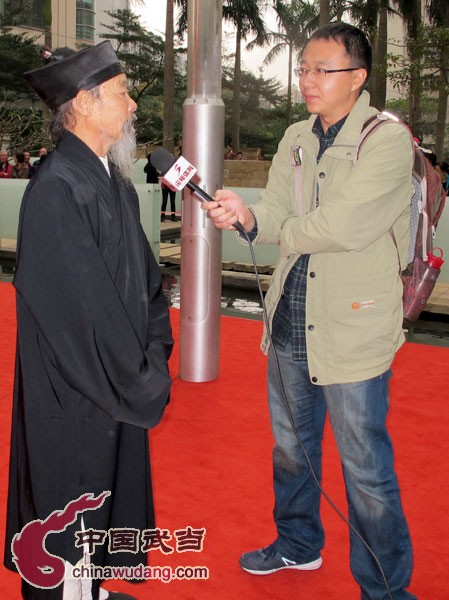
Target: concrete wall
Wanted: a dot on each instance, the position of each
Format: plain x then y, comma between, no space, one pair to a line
237,173
246,173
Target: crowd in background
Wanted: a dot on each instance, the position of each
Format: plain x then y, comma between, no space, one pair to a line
21,167
229,154
443,169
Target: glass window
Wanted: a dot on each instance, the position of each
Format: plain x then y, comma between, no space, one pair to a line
85,20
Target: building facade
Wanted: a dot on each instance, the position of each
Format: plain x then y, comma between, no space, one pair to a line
58,23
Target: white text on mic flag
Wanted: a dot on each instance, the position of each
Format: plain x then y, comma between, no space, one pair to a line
179,174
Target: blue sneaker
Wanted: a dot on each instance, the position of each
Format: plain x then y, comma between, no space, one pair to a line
268,560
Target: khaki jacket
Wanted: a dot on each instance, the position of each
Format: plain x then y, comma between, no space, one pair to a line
354,292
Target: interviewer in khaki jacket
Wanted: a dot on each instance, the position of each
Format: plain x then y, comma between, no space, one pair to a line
335,311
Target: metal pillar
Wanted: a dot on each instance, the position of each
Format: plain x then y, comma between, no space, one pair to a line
202,145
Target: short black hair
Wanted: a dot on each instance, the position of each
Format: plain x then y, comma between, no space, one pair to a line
356,43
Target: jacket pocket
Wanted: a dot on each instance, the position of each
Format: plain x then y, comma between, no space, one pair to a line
366,315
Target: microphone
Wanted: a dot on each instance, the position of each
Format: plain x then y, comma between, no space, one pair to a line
177,174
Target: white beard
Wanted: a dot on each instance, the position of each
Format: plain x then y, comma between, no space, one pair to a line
122,152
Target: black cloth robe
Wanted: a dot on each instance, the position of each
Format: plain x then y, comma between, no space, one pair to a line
93,342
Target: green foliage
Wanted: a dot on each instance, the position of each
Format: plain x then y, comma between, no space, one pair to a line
429,46
400,108
141,52
29,13
262,116
20,121
150,114
18,54
142,56
20,125
300,112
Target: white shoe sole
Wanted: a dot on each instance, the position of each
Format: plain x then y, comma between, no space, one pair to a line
311,566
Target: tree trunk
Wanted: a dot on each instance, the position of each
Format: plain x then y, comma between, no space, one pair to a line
236,93
378,87
442,106
169,81
47,24
325,12
288,116
415,72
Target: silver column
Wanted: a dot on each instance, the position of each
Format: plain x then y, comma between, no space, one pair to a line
203,146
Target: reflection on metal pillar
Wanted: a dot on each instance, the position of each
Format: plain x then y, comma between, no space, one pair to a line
202,145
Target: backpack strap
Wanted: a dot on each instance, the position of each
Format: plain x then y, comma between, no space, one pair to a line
369,127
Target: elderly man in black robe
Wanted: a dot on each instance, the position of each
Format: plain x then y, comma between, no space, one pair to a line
94,335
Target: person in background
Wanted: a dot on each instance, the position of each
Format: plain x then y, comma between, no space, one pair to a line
229,153
431,156
178,147
5,165
261,156
20,169
445,167
152,177
239,156
151,172
31,169
93,329
334,309
442,170
43,152
166,191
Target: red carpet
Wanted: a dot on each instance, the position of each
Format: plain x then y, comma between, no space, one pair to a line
211,459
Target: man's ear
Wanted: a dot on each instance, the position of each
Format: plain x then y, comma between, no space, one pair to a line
83,103
358,78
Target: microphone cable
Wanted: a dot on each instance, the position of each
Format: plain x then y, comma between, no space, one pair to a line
292,422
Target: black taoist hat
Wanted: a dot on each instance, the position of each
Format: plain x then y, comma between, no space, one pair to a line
67,72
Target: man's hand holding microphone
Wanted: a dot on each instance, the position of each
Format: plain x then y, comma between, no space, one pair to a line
227,208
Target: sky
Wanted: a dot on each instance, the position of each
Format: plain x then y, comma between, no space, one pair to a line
152,13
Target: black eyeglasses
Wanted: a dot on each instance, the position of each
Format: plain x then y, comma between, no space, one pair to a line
319,73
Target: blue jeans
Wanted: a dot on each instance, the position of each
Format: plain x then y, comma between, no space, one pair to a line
357,413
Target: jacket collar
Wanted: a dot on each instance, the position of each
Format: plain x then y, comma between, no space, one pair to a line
347,140
350,132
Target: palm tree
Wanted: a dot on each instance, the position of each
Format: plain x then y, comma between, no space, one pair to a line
296,20
246,16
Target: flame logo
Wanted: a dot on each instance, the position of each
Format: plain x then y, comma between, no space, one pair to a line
37,566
